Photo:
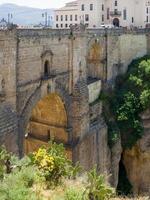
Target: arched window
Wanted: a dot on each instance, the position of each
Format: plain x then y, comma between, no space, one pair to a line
116,22
46,68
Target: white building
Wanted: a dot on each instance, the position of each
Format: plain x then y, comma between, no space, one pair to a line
94,13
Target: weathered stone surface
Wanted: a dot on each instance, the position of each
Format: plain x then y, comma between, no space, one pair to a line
93,149
8,129
137,160
116,152
94,90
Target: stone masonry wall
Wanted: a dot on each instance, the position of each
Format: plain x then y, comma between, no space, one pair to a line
122,49
8,56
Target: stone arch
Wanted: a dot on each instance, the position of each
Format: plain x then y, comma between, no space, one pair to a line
116,22
32,102
95,59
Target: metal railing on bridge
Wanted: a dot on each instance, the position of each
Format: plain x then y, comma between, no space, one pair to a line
115,13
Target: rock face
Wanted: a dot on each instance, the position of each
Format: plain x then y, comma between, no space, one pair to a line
116,152
137,160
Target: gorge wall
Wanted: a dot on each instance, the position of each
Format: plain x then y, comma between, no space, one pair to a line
137,160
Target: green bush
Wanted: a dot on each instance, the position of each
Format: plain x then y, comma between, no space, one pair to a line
97,188
129,99
73,194
53,163
4,162
19,184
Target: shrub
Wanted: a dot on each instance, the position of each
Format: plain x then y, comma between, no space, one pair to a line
18,185
4,162
129,99
53,163
73,194
97,188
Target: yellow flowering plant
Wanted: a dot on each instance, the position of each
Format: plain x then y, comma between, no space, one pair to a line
52,163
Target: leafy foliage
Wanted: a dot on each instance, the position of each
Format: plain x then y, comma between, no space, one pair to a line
97,189
4,162
73,194
53,163
17,185
130,98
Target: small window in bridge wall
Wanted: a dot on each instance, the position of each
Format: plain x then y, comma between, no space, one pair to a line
46,68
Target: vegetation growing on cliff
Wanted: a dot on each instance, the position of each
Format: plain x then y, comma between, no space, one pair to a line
129,99
48,175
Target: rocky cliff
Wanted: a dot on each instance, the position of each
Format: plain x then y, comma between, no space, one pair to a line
137,160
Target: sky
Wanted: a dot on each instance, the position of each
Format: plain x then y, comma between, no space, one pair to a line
37,3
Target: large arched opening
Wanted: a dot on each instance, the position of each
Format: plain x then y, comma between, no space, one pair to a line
48,120
116,22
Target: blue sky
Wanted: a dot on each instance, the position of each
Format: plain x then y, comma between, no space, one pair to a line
37,3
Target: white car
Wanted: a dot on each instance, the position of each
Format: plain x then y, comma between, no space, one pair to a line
107,26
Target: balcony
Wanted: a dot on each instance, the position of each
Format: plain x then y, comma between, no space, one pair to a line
94,87
115,13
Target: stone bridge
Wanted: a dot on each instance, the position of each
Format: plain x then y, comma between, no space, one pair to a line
50,83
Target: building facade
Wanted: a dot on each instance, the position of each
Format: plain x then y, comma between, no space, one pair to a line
94,13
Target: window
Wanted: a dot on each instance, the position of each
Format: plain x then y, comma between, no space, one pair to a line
86,17
61,25
102,18
66,25
132,20
61,17
91,6
124,14
82,7
57,17
116,3
86,24
46,68
147,10
108,13
48,135
66,17
57,26
70,17
102,7
146,18
76,17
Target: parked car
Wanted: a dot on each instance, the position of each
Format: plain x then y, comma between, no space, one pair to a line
107,26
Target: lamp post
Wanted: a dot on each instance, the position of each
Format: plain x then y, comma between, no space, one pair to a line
10,16
47,19
44,15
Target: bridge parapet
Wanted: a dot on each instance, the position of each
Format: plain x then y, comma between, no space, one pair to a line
117,31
